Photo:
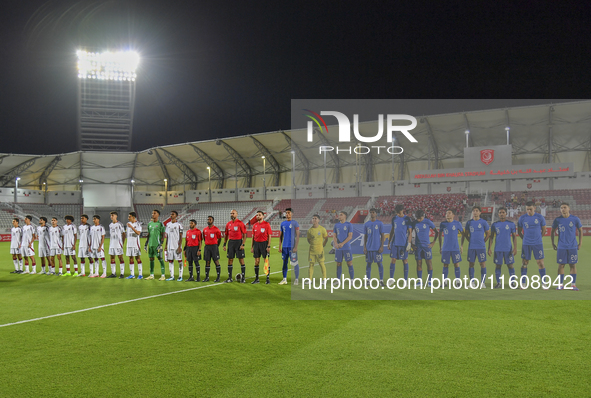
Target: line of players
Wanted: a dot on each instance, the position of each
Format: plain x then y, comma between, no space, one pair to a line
55,241
530,228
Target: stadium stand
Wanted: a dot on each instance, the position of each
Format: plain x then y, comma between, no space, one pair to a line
434,206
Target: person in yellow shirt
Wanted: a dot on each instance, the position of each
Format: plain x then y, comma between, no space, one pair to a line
317,238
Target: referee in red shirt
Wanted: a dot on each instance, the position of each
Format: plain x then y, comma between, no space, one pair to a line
193,250
213,238
236,233
261,243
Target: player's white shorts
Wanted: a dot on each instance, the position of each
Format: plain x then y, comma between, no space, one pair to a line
172,255
15,250
115,251
133,252
55,252
70,252
43,251
83,252
27,252
97,254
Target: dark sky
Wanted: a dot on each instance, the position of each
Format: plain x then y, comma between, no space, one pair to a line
218,68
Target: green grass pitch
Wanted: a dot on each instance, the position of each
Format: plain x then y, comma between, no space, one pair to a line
255,341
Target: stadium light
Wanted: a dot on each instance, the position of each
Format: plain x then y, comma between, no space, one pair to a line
209,189
264,177
467,132
507,129
18,178
132,181
80,180
116,66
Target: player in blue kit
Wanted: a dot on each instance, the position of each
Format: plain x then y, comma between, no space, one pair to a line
568,249
399,242
289,238
477,233
422,247
342,236
450,251
505,232
373,245
531,227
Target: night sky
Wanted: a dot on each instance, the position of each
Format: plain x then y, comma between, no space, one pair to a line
219,69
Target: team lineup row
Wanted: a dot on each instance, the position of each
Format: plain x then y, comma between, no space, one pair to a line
406,235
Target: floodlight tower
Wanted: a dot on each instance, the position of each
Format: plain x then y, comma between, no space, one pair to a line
106,99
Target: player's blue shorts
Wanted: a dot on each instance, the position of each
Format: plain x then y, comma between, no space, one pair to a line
538,250
398,252
476,255
567,256
448,257
287,253
499,257
340,253
423,253
373,257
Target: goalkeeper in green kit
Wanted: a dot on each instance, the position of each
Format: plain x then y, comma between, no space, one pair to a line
154,243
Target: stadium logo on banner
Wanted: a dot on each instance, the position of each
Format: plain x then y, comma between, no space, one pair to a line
448,189
345,132
528,186
487,156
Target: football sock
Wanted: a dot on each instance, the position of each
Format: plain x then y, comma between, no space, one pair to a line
296,270
15,262
243,270
190,268
218,270
151,267
311,270
323,268
351,272
181,270
574,278
429,275
285,260
368,270
171,269
230,268
139,267
561,279
392,270
482,274
457,272
122,266
511,271
104,266
381,270
498,274
405,271
161,266
113,267
445,272
523,271
471,272
20,264
420,274
339,271
207,268
542,272
256,271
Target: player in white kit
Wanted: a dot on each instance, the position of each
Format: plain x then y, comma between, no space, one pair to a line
116,241
44,244
96,247
174,239
134,230
70,236
27,249
16,237
56,245
84,244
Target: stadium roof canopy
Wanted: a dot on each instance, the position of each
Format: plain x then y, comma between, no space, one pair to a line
539,134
